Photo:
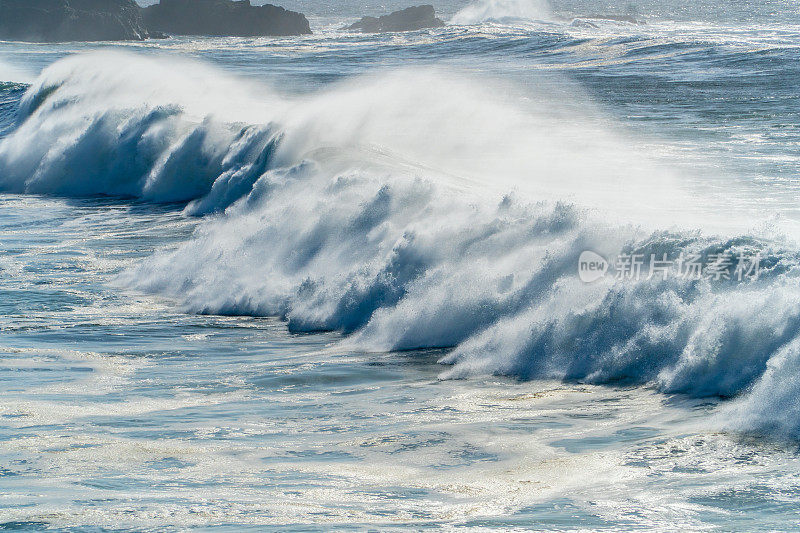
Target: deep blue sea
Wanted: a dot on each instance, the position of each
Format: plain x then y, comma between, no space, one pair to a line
339,282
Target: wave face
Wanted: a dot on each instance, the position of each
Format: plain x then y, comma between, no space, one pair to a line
10,96
12,87
134,133
342,211
502,10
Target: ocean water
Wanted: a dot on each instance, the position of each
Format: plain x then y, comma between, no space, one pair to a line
332,282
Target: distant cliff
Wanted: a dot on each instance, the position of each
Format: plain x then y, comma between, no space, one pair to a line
223,17
409,19
71,20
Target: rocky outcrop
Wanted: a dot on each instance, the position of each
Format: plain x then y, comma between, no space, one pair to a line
410,19
71,20
223,18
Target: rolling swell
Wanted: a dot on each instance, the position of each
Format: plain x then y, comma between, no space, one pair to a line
332,225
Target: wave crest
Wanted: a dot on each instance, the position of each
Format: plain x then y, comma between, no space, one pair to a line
415,211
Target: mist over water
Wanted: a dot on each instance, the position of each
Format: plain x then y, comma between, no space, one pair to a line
502,10
293,262
10,73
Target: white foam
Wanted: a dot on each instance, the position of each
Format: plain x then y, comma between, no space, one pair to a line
413,209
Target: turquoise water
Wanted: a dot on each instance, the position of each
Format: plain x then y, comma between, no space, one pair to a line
329,283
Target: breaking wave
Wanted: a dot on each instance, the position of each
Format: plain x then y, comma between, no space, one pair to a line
415,210
502,10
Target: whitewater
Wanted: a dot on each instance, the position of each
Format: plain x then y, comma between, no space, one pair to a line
333,281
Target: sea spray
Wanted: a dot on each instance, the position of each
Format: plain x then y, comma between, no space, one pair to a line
502,10
125,125
13,73
382,209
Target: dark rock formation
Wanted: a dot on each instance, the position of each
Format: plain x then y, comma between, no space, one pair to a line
71,20
410,19
223,17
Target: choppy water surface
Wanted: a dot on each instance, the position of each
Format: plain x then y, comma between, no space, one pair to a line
330,282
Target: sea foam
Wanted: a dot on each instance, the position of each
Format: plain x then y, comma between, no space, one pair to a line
415,210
